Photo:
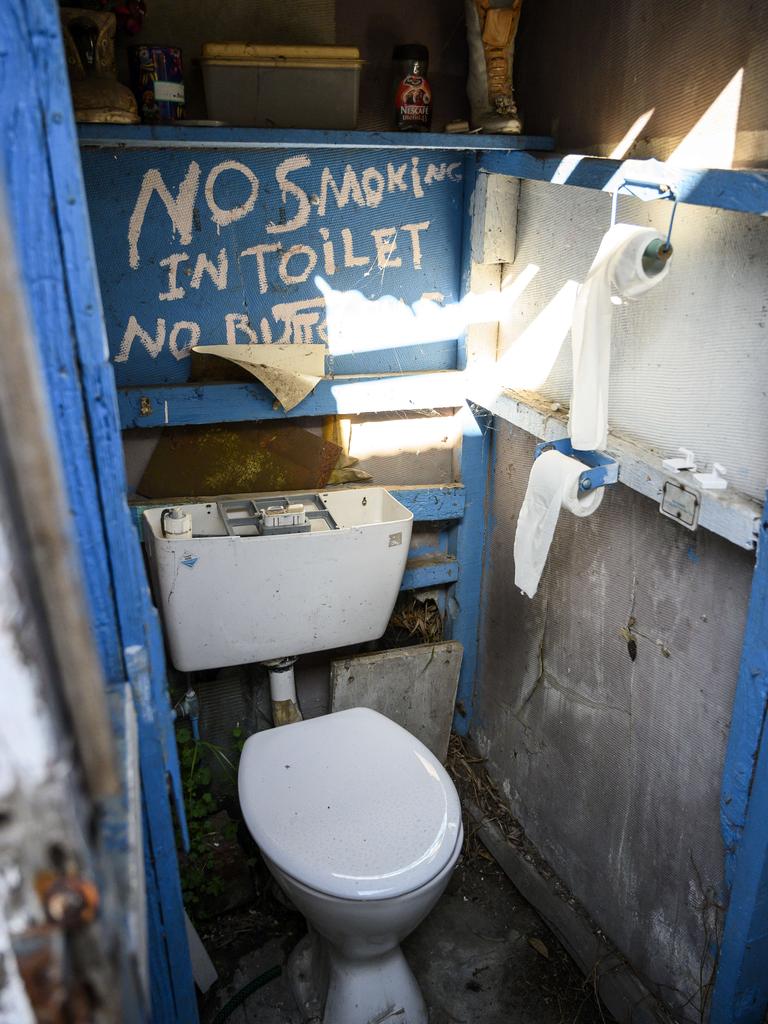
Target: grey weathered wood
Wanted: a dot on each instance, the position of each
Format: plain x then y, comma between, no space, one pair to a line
494,224
619,988
34,465
414,686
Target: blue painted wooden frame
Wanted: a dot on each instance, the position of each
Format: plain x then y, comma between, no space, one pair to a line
183,404
222,137
745,191
741,986
472,466
50,221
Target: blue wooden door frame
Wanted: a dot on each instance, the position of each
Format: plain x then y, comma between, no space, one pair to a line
41,167
741,987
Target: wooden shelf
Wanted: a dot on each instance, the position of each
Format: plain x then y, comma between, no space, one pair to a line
146,136
745,191
182,404
727,513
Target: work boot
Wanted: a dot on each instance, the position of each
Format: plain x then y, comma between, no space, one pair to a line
491,30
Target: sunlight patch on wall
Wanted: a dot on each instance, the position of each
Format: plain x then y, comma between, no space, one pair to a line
712,140
621,149
393,436
528,361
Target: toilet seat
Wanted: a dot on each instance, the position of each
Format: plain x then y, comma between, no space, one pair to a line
350,805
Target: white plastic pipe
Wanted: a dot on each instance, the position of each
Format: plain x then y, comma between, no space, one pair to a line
282,691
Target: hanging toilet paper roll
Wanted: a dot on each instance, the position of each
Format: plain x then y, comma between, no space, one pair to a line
617,269
552,485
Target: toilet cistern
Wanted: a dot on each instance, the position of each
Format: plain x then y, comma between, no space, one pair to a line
325,568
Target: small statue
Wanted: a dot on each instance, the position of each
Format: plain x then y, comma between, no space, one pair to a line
89,43
491,30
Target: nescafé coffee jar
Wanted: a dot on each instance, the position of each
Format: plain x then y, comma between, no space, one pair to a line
413,96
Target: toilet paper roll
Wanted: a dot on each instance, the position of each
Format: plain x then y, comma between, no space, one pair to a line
552,485
617,269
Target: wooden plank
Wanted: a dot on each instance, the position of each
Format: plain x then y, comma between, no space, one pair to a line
413,686
467,545
44,532
167,136
494,219
741,988
178,405
472,461
170,966
745,191
429,504
430,571
77,332
122,829
750,702
726,513
432,504
24,165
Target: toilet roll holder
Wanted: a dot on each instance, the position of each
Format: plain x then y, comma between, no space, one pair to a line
659,251
603,470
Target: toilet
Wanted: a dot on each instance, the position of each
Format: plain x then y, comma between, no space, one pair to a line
360,825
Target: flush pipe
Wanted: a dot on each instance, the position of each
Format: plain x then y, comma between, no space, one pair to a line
282,690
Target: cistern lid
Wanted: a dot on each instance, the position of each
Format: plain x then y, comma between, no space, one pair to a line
350,804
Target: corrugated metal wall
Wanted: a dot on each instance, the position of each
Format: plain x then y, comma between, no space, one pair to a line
611,764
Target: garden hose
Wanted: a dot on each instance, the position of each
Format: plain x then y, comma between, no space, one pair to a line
239,997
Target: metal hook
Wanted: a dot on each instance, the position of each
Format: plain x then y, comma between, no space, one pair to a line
656,255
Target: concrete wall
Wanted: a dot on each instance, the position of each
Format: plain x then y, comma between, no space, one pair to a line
589,70
613,765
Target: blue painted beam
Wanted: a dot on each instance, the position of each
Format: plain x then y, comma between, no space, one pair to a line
745,191
432,504
472,467
741,986
183,404
432,570
167,136
749,709
428,504
467,545
31,201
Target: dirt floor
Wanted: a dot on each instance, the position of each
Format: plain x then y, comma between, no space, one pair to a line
483,956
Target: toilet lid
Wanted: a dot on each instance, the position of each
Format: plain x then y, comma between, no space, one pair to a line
349,804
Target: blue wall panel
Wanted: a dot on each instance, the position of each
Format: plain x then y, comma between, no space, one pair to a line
215,247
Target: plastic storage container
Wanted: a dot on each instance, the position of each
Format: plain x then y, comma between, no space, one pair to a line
282,86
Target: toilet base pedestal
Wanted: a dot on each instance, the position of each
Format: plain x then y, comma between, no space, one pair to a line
332,988
307,971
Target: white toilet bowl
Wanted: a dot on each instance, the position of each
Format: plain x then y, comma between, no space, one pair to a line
361,826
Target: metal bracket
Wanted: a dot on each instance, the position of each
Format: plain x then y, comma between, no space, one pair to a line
664,192
603,470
